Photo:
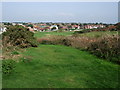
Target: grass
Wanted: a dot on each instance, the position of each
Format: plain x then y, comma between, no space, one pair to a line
55,66
99,34
90,34
43,34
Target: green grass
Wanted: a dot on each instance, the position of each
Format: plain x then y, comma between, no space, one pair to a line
99,34
43,34
90,34
54,66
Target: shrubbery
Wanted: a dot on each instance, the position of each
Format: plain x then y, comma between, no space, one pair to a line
83,31
55,40
15,53
107,47
8,66
73,41
18,36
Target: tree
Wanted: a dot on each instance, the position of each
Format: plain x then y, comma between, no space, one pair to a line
8,23
69,27
30,25
96,23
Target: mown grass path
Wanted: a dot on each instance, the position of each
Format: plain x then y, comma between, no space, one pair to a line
55,66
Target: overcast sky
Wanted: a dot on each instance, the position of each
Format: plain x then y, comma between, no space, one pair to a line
85,12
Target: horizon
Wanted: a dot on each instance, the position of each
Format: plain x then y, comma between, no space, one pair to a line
57,22
63,12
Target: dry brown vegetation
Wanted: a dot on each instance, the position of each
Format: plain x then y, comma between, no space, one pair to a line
77,42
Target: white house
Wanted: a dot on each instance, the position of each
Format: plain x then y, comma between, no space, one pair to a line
2,29
35,29
53,27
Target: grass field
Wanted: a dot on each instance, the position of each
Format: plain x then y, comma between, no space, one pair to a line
42,34
99,34
55,66
90,34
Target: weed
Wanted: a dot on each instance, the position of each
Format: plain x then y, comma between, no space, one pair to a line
8,66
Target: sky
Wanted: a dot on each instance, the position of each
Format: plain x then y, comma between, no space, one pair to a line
84,12
119,11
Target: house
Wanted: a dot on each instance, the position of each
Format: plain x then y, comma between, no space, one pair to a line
93,26
31,29
2,29
35,29
53,27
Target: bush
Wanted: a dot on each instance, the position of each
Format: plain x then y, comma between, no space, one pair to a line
107,48
56,40
73,41
15,53
44,41
79,32
19,36
8,66
82,42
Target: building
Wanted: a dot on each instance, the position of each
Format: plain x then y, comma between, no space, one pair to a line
53,27
2,29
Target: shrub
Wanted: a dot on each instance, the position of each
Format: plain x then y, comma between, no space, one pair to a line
56,40
73,41
107,47
44,41
79,32
8,66
18,36
86,31
81,42
15,53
